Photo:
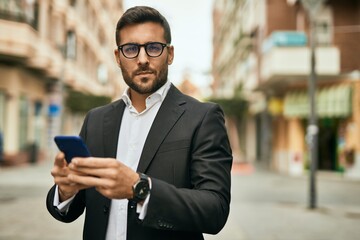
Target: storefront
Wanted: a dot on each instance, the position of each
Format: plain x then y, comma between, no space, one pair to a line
335,121
23,99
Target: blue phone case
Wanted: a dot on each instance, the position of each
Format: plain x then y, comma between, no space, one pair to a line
72,146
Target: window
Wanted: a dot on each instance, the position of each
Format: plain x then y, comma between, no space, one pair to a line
324,26
102,74
38,127
71,45
23,120
73,3
2,110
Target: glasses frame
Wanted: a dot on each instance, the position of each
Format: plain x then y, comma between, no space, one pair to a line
120,48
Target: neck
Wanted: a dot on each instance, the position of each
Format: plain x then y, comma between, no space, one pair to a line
138,100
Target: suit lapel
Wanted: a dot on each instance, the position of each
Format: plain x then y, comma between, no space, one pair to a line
169,113
112,122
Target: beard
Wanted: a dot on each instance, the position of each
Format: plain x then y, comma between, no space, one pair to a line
146,85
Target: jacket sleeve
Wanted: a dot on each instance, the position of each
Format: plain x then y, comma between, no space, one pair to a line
204,206
76,208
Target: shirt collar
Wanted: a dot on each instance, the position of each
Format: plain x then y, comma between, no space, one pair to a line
161,92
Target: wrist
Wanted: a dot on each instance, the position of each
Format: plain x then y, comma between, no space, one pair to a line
63,196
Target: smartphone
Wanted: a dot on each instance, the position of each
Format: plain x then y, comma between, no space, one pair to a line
72,146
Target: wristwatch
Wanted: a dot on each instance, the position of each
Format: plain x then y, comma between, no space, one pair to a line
141,188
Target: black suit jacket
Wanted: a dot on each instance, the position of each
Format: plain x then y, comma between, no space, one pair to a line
188,157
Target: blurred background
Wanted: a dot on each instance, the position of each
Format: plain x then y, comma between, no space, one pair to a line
253,57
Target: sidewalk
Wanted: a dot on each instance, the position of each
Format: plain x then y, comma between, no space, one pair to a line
269,206
265,206
22,205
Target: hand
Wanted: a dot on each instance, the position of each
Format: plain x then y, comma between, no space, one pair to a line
60,172
110,177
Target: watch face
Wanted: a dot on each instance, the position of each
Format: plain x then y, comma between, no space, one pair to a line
142,190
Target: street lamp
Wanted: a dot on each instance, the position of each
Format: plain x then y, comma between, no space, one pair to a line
312,7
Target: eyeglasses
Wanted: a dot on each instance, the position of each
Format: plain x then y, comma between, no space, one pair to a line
152,49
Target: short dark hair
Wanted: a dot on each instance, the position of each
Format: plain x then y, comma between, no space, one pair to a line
142,14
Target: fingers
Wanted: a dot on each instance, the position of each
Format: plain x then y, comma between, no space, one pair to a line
92,162
60,180
99,167
60,160
59,169
112,173
110,177
60,173
90,181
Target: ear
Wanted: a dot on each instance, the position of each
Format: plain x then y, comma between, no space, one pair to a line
170,55
117,56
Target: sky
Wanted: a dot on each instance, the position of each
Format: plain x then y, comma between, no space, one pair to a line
191,28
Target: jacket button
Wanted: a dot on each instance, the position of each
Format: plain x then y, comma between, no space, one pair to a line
106,210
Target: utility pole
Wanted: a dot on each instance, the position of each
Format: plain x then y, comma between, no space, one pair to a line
312,7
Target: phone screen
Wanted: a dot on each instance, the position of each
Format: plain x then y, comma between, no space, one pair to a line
72,146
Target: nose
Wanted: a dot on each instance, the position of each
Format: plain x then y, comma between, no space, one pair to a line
143,58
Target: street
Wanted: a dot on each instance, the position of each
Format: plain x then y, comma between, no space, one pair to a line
265,206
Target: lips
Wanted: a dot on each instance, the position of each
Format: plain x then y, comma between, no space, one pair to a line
144,72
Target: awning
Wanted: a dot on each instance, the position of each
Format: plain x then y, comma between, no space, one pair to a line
331,102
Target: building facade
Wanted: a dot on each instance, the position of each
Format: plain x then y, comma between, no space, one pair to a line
273,70
49,48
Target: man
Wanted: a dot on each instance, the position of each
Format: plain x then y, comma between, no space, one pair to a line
160,165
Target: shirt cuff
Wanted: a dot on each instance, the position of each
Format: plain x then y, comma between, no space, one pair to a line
63,207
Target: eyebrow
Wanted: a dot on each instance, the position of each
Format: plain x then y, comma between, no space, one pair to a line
140,43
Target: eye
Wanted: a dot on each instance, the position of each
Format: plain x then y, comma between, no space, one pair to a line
130,48
154,47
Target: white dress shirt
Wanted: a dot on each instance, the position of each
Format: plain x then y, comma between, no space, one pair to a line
133,132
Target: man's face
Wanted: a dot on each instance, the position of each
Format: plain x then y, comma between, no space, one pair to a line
144,74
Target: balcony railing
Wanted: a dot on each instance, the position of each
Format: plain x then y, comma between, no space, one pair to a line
286,55
19,11
282,62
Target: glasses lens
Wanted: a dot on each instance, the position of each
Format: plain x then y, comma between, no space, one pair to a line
130,50
154,49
